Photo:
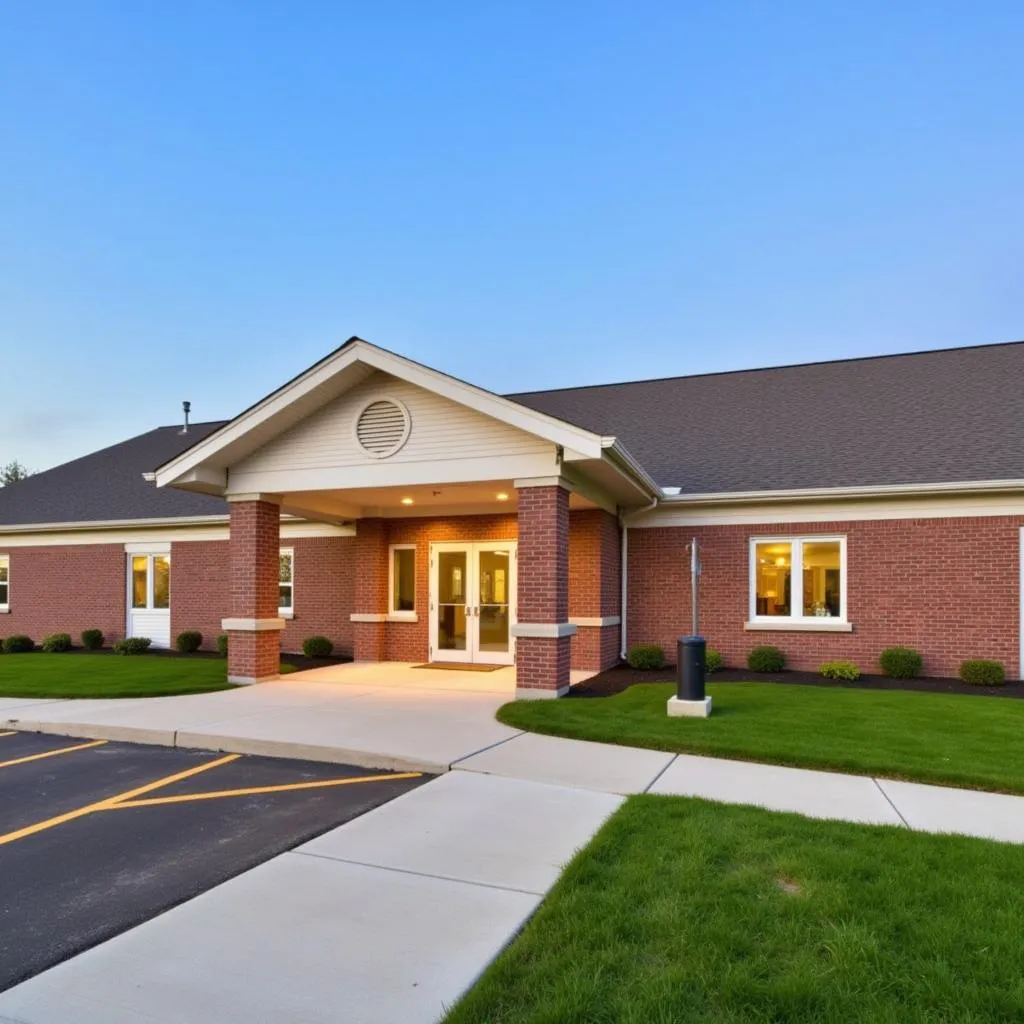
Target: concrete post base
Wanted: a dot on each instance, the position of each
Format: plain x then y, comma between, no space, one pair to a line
540,692
689,708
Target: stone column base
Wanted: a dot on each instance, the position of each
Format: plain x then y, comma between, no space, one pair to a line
254,656
689,708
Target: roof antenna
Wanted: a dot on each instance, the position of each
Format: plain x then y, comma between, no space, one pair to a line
186,408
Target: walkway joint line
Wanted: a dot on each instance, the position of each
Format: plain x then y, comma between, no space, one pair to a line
672,760
888,800
490,746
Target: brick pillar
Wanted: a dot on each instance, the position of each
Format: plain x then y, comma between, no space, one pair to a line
595,561
254,629
542,631
371,590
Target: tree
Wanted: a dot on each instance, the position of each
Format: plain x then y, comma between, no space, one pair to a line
13,472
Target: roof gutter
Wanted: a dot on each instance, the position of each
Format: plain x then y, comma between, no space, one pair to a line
831,493
624,461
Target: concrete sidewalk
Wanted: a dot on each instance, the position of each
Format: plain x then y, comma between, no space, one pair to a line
388,918
393,915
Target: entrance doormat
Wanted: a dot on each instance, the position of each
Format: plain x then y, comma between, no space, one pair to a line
458,666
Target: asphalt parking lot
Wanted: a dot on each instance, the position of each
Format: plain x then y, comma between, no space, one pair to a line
97,836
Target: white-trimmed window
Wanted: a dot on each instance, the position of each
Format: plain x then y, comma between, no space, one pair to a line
286,582
5,583
798,580
402,581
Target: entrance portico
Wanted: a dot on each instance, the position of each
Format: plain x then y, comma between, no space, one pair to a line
483,529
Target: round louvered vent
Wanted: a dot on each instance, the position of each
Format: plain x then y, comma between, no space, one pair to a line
382,427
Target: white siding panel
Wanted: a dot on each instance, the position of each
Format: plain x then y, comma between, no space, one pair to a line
154,623
441,429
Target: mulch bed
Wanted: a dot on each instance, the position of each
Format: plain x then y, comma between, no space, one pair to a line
615,680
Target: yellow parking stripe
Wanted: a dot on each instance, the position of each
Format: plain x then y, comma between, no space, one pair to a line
106,804
287,787
11,733
51,753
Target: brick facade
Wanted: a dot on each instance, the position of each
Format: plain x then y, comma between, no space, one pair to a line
595,563
542,663
324,583
67,589
948,587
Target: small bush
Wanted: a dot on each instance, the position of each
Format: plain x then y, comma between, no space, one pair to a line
56,642
982,672
901,662
189,641
317,647
713,661
645,656
222,645
92,639
839,670
18,644
766,658
132,645
286,668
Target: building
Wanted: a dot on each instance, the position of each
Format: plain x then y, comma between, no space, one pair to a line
839,508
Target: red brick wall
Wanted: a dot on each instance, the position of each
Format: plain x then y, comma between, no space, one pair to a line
324,586
409,641
67,589
594,586
948,587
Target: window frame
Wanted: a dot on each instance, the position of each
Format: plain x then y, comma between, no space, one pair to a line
149,555
801,621
411,615
5,562
289,612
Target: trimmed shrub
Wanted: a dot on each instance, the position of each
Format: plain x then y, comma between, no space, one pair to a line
317,647
645,656
766,658
18,644
286,668
839,670
189,641
132,645
222,645
713,661
901,662
92,639
55,643
982,672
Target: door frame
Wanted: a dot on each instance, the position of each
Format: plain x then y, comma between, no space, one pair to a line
472,654
163,615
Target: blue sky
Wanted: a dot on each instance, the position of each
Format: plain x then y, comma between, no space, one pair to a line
199,199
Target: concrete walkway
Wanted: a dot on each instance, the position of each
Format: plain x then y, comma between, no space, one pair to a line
392,916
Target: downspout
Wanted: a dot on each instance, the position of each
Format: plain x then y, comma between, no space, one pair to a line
624,571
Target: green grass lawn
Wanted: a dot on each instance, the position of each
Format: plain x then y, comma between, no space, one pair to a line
974,742
106,675
685,911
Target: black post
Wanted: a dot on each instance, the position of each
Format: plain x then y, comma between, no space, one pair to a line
690,668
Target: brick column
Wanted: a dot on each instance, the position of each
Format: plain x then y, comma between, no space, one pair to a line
254,629
542,631
371,590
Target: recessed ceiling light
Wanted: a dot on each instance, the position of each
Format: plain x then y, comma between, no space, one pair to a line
501,496
407,501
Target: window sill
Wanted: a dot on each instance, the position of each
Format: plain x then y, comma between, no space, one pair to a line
285,613
4,610
800,626
402,617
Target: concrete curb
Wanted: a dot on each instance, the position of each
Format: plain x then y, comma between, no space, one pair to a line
227,744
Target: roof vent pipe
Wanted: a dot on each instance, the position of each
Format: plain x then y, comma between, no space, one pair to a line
186,408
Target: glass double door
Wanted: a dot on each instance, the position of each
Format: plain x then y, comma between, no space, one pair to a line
473,602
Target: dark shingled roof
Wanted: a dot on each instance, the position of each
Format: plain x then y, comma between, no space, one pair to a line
108,485
927,417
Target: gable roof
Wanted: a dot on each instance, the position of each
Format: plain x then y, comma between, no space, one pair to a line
108,485
949,415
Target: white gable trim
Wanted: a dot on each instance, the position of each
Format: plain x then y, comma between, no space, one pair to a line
557,431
